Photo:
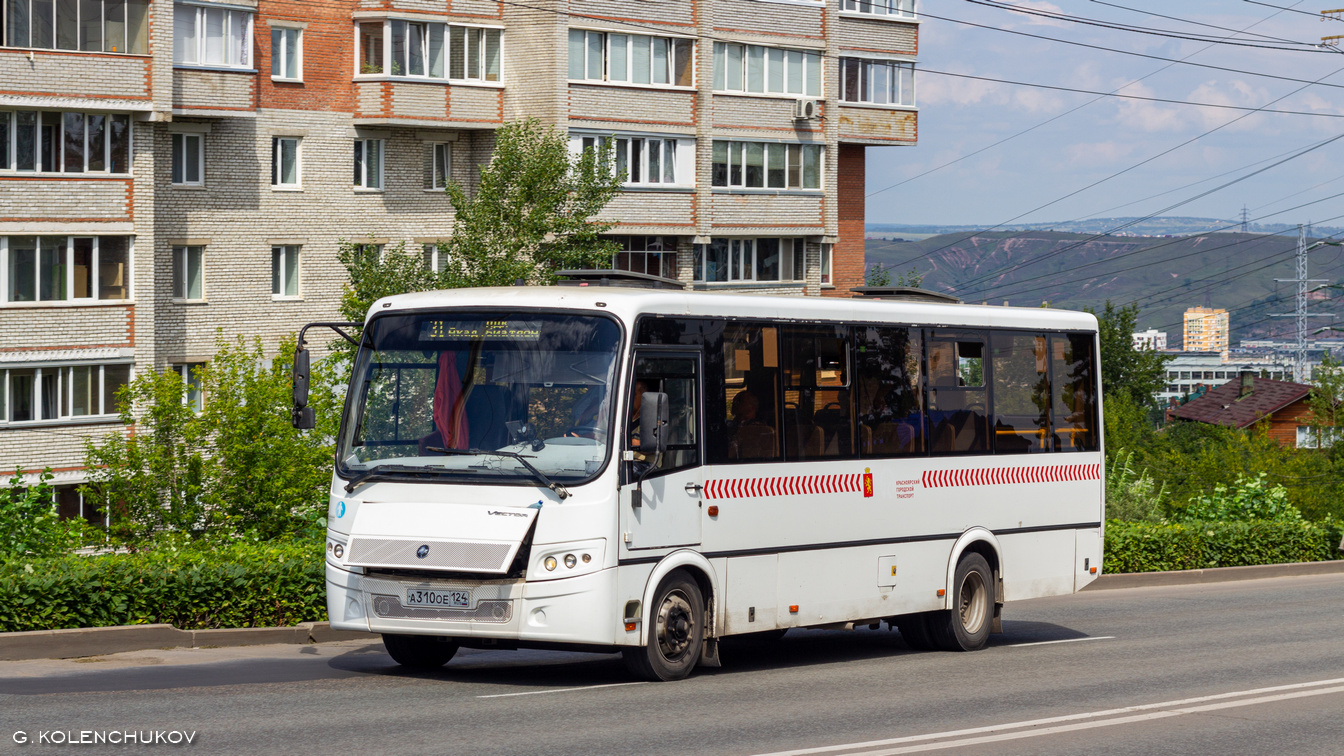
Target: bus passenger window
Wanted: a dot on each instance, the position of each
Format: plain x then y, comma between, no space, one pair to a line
818,419
1021,393
890,403
751,391
958,416
1073,402
677,377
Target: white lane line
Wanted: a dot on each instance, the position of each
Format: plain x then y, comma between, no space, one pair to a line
1066,640
1180,706
563,690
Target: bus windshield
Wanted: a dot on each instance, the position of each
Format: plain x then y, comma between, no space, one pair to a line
430,386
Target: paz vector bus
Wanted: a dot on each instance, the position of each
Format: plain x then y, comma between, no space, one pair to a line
617,465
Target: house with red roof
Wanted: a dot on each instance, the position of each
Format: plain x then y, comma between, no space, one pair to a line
1249,400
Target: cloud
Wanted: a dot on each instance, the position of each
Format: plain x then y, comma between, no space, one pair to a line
1033,20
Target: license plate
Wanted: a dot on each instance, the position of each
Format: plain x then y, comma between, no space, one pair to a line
454,598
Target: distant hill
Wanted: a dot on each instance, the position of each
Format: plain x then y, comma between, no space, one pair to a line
1162,226
1165,276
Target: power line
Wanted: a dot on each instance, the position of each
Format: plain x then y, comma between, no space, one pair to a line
1198,23
1294,10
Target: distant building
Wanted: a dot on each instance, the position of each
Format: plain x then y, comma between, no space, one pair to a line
1189,371
1206,330
1249,400
1150,339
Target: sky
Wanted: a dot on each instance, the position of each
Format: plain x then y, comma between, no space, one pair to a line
1053,165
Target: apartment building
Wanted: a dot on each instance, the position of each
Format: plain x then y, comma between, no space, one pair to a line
173,170
1205,330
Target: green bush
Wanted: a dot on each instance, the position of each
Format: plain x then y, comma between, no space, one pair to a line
239,585
29,525
1152,547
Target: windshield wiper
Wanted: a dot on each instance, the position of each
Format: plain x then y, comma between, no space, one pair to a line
388,472
560,490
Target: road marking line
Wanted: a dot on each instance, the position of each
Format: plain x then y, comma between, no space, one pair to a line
562,690
1180,706
1066,640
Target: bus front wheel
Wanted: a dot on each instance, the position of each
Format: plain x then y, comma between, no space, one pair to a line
419,651
966,627
675,632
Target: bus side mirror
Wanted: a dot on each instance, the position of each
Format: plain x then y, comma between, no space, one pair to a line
303,417
653,420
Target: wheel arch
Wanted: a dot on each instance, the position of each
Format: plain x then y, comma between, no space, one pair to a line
700,570
983,542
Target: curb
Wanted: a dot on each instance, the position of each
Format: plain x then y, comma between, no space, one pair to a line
99,641
1214,575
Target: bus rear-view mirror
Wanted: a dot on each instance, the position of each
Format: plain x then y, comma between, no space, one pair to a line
653,420
303,417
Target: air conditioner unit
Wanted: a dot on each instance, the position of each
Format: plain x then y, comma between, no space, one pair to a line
807,110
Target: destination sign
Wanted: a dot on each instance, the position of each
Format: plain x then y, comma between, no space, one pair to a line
457,330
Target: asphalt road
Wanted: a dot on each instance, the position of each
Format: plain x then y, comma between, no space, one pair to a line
1254,667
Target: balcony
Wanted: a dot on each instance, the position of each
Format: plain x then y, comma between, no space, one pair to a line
632,107
788,214
878,125
890,34
747,113
652,212
62,79
200,91
416,103
45,197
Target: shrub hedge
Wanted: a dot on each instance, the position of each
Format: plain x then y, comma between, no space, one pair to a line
240,585
1151,547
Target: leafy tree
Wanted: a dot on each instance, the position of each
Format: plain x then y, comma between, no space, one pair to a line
1249,498
29,525
1136,373
1327,400
912,278
877,275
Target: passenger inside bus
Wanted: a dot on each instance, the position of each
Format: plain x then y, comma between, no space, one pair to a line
752,438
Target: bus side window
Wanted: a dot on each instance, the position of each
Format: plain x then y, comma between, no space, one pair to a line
818,420
1073,402
675,376
958,412
1021,392
890,399
751,392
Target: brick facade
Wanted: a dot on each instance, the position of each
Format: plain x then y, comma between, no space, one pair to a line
236,215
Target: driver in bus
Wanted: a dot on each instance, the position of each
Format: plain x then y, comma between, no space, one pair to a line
636,401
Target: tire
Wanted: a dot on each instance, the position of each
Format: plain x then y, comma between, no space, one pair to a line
675,632
915,631
966,626
419,651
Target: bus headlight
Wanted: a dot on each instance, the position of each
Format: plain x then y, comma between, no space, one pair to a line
562,560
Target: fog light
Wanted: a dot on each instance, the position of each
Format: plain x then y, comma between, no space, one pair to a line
550,563
570,561
328,547
338,550
587,558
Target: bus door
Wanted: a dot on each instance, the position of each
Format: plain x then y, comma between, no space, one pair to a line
663,509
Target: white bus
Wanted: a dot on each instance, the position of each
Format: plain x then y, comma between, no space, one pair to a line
610,467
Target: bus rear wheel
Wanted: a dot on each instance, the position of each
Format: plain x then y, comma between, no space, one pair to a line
675,633
419,651
966,626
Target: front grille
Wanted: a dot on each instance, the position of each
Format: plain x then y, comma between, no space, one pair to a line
486,611
448,556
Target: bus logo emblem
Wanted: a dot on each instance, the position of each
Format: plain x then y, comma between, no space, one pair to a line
422,552
868,485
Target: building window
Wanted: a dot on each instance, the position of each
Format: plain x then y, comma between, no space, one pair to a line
630,58
746,260
654,255
60,392
436,257
369,163
189,159
877,81
188,273
905,8
285,271
211,36
826,265
646,161
65,142
117,26
64,268
285,161
286,53
773,70
441,168
192,396
766,165
430,50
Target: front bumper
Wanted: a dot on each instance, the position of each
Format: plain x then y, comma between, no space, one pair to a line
580,610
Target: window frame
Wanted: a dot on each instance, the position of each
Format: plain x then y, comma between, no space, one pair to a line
440,175
738,153
284,31
666,253
449,34
681,161
69,245
199,40
605,64
899,73
741,258
813,62
65,388
284,258
277,160
904,10
134,31
182,272
193,395
362,151
56,120
180,152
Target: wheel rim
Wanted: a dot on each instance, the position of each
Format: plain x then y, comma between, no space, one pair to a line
676,626
971,602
